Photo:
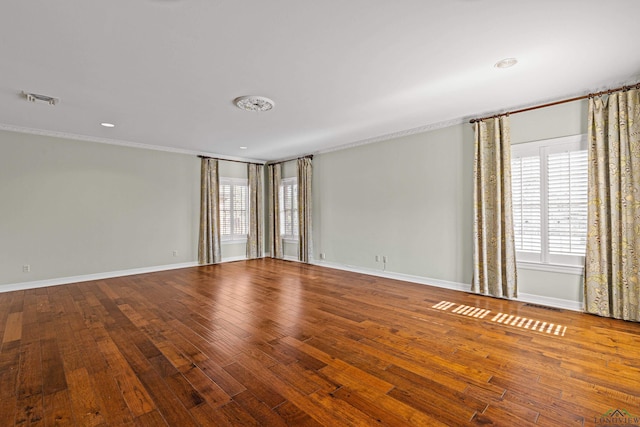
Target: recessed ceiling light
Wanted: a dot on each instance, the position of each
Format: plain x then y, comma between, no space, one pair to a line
254,103
107,125
243,148
506,63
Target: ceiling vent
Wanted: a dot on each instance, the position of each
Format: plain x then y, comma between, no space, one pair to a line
254,103
34,97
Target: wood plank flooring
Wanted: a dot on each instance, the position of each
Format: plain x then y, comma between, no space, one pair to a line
276,343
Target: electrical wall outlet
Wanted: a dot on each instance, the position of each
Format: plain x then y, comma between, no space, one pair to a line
26,268
377,258
322,255
384,258
175,253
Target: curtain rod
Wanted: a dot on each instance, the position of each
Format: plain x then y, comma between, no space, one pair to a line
275,162
255,163
230,160
564,101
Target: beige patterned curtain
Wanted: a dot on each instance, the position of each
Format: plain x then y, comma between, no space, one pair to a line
209,241
304,208
255,237
494,254
612,268
274,177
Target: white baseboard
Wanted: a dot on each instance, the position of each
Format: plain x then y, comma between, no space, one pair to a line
234,258
89,277
397,276
463,287
100,276
551,302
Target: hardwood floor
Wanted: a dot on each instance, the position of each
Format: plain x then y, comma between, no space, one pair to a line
274,343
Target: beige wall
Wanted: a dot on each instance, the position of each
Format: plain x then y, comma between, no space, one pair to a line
410,199
405,199
70,208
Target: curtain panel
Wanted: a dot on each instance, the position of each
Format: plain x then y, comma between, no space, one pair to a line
255,236
611,286
304,208
494,254
274,177
209,250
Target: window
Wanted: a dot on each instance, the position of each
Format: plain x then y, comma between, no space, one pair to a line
289,208
234,203
549,194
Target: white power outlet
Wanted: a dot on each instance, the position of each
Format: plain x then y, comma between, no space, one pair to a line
26,268
384,259
175,253
322,255
377,258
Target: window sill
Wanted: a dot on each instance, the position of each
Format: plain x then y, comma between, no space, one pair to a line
551,268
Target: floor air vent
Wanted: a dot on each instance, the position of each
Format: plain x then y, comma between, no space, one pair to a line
544,307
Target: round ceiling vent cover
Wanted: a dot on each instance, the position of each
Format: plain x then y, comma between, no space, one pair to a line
254,103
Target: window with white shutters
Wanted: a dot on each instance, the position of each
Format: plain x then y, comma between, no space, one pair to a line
234,203
525,176
289,208
567,207
549,193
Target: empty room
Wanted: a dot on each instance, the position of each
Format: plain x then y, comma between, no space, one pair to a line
409,213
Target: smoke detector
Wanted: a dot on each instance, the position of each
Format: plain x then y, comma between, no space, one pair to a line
254,103
34,97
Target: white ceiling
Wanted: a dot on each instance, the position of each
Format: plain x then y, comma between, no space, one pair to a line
166,72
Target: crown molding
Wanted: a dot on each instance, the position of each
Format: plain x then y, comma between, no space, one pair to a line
122,143
585,93
380,138
461,120
394,135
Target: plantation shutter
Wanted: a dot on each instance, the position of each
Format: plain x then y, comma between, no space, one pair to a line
294,210
567,206
289,208
525,188
240,208
225,209
233,205
549,195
